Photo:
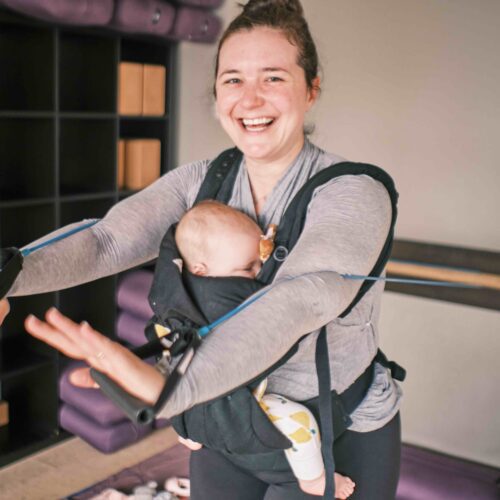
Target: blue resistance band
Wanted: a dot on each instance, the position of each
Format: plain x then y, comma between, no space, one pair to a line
203,331
411,281
30,250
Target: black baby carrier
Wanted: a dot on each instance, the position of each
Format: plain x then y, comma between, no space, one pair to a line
184,304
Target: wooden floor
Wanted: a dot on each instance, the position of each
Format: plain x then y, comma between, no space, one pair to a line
73,465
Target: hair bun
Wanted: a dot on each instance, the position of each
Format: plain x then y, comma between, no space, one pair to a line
260,6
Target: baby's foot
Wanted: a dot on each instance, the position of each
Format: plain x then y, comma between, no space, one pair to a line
344,486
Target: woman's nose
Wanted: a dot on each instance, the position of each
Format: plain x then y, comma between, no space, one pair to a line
252,97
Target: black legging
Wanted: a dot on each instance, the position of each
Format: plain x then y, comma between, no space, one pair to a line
370,459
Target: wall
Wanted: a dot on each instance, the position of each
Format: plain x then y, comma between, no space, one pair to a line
411,86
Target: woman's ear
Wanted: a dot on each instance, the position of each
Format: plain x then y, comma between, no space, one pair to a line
199,269
313,93
215,110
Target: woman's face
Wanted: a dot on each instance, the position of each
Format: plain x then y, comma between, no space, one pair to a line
262,96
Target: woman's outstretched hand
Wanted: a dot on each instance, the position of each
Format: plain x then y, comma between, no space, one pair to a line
81,341
4,309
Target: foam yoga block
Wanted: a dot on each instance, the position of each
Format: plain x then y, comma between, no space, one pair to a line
430,476
130,328
105,438
132,294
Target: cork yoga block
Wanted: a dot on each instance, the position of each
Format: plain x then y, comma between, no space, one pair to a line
130,81
153,90
142,162
120,170
4,413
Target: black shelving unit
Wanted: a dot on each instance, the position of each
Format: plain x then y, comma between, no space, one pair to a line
59,131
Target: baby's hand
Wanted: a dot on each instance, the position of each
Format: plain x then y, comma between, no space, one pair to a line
192,445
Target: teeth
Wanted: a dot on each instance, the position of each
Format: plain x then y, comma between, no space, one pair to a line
256,121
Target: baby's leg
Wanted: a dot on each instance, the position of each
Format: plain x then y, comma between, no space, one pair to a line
299,425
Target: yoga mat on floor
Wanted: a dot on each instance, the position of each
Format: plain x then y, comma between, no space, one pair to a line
173,462
132,294
425,475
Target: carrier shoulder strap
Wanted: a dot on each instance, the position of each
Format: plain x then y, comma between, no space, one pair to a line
294,218
219,180
219,183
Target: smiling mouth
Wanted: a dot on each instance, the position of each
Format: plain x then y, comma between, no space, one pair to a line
256,124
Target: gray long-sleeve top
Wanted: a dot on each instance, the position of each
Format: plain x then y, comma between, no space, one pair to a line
346,226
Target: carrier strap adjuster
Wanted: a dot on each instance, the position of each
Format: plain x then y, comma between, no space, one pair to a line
397,371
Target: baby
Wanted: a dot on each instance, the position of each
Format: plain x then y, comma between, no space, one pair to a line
216,240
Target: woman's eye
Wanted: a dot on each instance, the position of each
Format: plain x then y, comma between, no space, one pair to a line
274,79
233,81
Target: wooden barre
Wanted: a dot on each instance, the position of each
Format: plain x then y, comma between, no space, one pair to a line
432,272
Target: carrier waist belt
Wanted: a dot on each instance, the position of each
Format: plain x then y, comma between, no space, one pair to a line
356,392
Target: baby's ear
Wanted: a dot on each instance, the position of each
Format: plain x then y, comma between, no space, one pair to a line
199,269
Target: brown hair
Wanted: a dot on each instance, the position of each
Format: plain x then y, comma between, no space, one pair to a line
286,16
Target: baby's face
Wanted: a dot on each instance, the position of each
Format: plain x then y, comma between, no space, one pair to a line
237,254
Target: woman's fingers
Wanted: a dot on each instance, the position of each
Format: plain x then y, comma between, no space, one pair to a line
77,340
53,336
4,309
81,334
63,324
81,378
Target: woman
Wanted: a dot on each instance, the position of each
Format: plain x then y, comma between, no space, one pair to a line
266,81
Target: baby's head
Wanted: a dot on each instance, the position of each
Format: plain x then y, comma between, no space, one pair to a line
216,240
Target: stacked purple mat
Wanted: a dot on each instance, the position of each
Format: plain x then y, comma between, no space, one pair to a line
88,413
133,305
193,20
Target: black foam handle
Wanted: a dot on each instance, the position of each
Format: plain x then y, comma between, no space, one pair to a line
135,409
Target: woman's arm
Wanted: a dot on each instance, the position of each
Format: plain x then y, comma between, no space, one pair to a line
347,224
81,341
129,235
